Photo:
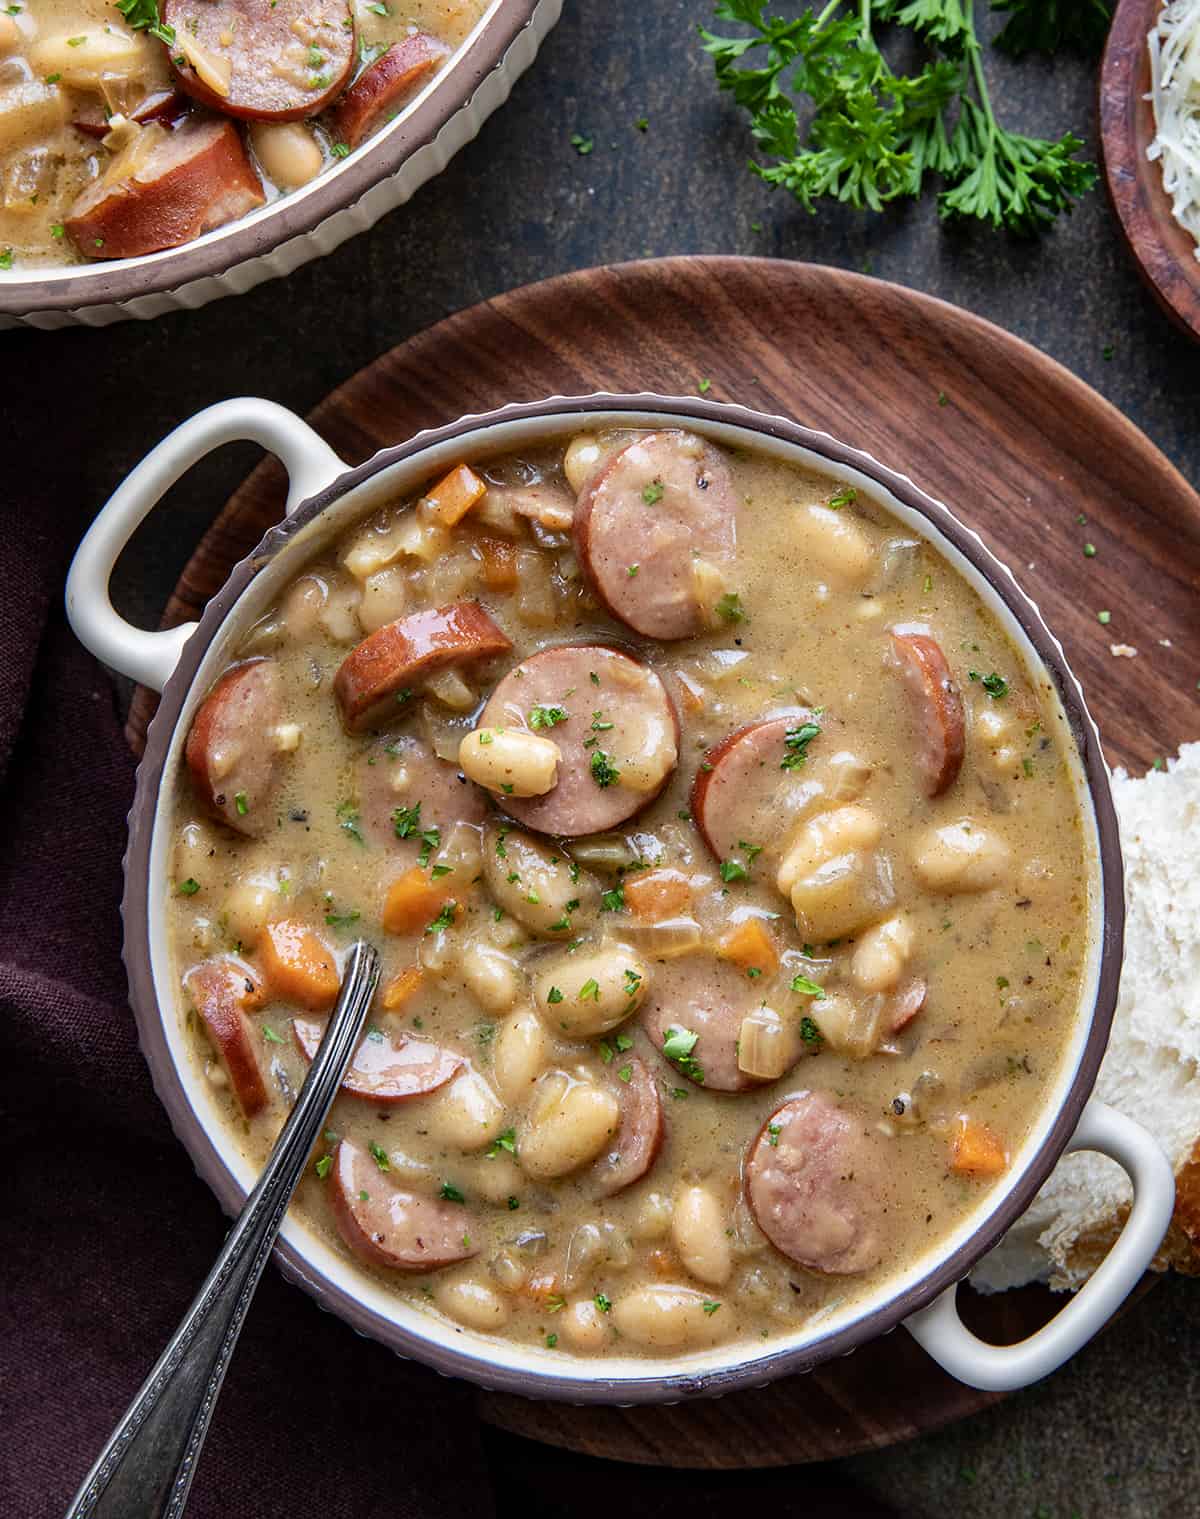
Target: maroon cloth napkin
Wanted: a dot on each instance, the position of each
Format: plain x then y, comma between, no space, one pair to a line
105,1232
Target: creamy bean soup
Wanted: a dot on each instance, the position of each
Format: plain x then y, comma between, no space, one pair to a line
129,126
727,870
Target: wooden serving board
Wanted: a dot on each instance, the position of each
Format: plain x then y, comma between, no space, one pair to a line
1016,444
1164,252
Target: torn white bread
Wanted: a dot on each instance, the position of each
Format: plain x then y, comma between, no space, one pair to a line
1152,1068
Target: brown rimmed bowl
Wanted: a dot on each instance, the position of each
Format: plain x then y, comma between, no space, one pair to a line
325,498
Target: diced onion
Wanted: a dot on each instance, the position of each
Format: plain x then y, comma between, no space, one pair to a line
766,1048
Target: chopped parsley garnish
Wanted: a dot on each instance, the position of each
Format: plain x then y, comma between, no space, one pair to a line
270,1035
555,1303
710,1308
590,990
547,717
551,1341
439,871
733,870
773,1130
614,900
188,888
445,918
406,820
653,493
501,851
678,1047
379,1156
451,1193
506,1141
603,1303
513,1204
845,497
604,772
796,742
625,1073
730,607
554,995
242,804
600,723
342,919
142,15
995,685
348,820
582,145
810,1032
324,1166
806,987
632,981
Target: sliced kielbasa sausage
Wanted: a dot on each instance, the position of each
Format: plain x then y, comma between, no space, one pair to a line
166,106
377,678
192,179
221,991
656,532
637,1142
390,1227
403,773
937,707
701,996
386,1068
809,1183
384,86
232,752
753,785
262,60
614,724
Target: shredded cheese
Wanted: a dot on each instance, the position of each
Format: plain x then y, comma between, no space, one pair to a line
1175,95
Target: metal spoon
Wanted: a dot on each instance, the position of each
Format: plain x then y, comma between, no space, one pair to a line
146,1469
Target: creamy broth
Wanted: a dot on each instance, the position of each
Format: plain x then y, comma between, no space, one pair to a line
666,1095
87,97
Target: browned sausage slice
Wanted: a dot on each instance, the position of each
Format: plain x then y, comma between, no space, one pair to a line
383,87
937,707
231,751
262,60
809,1185
390,1227
639,1138
650,523
619,739
221,991
707,997
378,677
190,180
386,1068
166,106
402,772
742,794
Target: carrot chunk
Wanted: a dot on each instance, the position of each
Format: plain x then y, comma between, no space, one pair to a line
977,1151
750,946
499,563
455,494
413,902
657,894
297,966
402,987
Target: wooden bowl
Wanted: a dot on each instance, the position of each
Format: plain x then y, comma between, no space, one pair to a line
1164,252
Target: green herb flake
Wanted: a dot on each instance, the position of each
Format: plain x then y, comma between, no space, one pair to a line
710,1308
604,772
323,1166
614,900
270,1035
551,1341
810,1032
729,607
554,995
547,717
188,888
806,987
242,804
450,1193
847,496
1104,618
582,144
379,1156
348,820
590,990
603,1303
795,742
678,1047
773,1132
1089,550
653,493
445,918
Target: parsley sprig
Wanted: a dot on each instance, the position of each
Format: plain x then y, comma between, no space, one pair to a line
875,134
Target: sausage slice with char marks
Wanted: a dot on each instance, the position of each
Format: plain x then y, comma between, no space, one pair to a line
937,707
388,1226
809,1183
741,792
178,185
221,991
656,533
383,87
619,740
709,998
637,1142
231,750
403,771
401,654
386,1068
262,60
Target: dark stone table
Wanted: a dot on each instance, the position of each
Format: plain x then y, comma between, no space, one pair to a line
1115,1432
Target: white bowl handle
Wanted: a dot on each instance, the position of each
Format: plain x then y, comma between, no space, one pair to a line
150,657
1004,1368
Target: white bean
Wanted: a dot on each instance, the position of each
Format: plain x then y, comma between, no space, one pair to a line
466,1114
835,546
491,976
246,910
583,454
582,994
961,856
584,1327
836,881
663,1317
384,598
882,953
303,604
496,1178
698,1226
569,1123
653,1217
536,884
472,1303
520,1055
509,762
288,152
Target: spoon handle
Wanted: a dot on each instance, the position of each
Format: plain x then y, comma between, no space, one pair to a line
146,1469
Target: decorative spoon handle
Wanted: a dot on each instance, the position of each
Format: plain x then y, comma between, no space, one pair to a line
146,1469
